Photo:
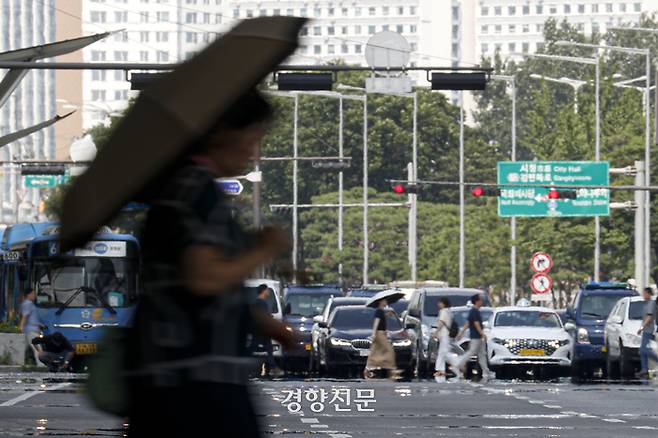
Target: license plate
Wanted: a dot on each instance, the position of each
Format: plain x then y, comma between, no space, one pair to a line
604,349
363,353
532,352
307,347
85,348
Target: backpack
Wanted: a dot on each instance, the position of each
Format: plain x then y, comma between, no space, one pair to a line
453,331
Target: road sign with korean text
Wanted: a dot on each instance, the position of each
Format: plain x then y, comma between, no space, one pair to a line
536,177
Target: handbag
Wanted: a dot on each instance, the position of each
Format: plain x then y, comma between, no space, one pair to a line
107,384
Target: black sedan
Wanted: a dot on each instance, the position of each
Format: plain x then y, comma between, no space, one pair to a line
347,344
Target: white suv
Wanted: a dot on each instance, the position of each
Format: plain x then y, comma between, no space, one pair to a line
622,343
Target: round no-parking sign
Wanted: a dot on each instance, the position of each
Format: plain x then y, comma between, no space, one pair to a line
541,283
541,262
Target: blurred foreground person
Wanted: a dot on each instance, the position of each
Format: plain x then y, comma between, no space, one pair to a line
54,351
191,358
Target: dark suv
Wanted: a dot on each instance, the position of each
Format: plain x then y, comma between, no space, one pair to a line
586,318
422,313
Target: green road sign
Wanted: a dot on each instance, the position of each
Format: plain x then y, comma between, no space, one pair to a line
533,201
42,181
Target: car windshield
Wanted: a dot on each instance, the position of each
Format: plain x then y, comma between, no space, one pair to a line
360,318
461,316
431,305
59,279
271,299
527,318
307,305
598,306
636,311
345,302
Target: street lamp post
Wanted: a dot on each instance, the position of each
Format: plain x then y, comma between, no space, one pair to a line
573,83
597,140
512,82
647,130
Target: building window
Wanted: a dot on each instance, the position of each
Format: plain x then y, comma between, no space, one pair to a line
511,10
412,10
290,12
317,12
552,9
276,12
357,48
511,47
567,9
343,48
317,49
262,12
98,75
498,47
637,7
98,17
97,95
400,10
525,47
385,28
372,11
120,94
144,37
455,13
163,16
344,30
317,30
250,14
526,9
608,7
581,9
331,12
525,28
144,56
303,31
399,29
484,48
163,56
498,28
413,28
484,11
595,27
331,49
190,17
413,47
236,13
580,27
357,29
622,7
371,30
120,16
595,8
539,9
303,49
97,55
540,46
344,12
357,12
484,29
120,55
512,28
498,10
331,30
385,10
162,37
540,28
190,37
303,12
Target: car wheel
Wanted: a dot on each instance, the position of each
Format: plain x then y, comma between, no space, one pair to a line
419,368
626,368
611,365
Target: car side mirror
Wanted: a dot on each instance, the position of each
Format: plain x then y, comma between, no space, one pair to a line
318,319
322,324
485,324
616,319
570,327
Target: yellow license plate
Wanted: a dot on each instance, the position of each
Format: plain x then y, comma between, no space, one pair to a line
532,352
604,349
307,347
85,348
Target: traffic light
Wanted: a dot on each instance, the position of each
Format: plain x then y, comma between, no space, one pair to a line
305,81
406,188
562,194
459,80
43,169
479,192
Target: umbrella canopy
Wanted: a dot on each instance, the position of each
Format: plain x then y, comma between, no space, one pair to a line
170,115
391,296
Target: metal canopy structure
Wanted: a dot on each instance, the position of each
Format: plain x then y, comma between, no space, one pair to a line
31,54
5,140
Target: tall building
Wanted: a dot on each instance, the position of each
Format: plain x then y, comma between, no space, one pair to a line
26,23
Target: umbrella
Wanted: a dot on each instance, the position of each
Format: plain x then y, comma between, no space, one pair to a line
391,296
171,114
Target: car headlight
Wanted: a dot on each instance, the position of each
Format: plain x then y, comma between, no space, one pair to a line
425,332
499,341
582,337
402,343
339,342
557,343
301,328
631,339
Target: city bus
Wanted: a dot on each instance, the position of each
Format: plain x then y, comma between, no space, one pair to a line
83,291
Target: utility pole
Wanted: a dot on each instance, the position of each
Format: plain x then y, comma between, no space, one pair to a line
640,237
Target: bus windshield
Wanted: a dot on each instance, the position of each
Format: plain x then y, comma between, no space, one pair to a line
57,279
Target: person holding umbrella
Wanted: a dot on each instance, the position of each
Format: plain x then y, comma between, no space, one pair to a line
188,362
382,354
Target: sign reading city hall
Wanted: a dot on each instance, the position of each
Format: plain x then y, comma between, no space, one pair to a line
535,201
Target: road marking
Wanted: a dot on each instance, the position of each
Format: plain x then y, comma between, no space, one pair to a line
553,406
319,426
645,427
613,420
31,394
310,420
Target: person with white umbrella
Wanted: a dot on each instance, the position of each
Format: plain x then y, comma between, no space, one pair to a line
382,354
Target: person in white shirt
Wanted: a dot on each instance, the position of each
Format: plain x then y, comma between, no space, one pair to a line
442,333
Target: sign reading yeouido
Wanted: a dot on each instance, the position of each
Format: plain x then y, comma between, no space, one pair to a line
531,199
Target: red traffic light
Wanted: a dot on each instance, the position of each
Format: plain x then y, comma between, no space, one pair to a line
477,192
399,189
553,194
562,194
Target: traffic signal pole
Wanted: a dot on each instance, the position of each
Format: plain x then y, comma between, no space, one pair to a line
462,237
640,219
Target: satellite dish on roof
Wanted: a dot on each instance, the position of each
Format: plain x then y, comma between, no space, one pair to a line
388,49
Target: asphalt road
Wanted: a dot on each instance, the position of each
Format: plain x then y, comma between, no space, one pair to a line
54,405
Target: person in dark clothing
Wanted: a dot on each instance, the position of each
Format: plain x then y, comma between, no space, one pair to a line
382,354
263,342
190,362
477,344
54,351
